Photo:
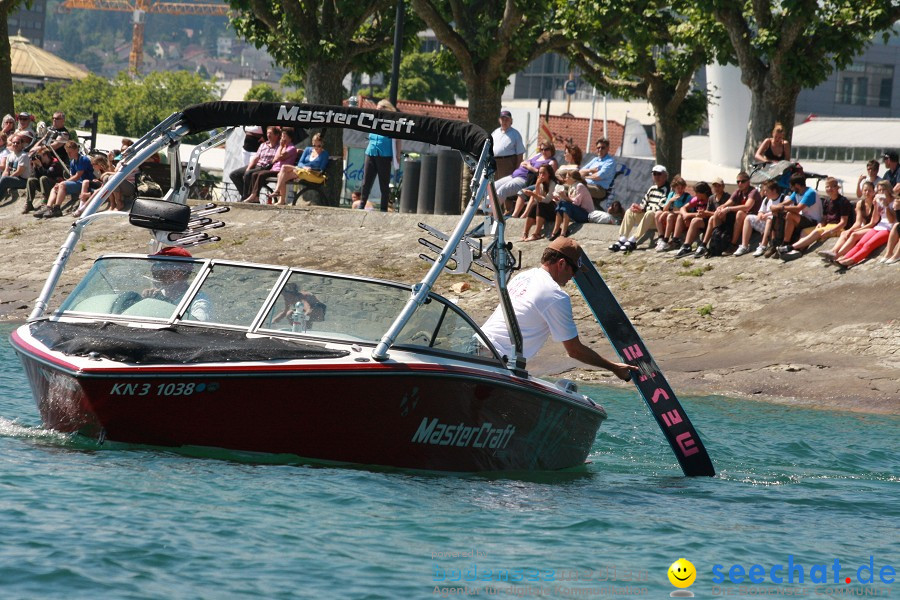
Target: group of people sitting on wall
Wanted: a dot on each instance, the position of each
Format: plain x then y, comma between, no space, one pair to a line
789,221
51,168
277,158
542,191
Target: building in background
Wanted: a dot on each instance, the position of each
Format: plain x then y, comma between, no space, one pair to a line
29,22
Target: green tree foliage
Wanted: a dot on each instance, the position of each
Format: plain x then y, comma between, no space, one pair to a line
489,41
262,92
7,7
424,78
78,99
292,80
321,41
137,105
125,106
645,49
783,47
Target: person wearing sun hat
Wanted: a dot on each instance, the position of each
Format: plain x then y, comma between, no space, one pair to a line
544,310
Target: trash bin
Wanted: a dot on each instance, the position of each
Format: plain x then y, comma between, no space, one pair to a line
427,180
409,189
449,183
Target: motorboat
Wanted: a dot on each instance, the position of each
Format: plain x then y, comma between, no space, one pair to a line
172,350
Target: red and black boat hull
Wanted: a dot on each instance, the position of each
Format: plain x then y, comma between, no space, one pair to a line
414,416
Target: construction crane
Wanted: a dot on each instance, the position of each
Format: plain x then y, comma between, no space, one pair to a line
139,8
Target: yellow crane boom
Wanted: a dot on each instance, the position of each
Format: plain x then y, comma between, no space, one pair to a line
138,8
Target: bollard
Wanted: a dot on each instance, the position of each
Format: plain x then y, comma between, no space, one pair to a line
427,178
448,185
409,189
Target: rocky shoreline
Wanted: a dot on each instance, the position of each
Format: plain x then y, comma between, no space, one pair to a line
798,333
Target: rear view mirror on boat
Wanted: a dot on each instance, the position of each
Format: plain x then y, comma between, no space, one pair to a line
152,213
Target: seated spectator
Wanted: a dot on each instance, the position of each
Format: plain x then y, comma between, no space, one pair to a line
643,215
47,171
58,135
871,175
720,213
4,150
665,218
800,210
892,173
837,213
573,206
311,167
88,186
867,216
774,149
692,218
285,156
81,169
356,201
572,156
760,220
540,207
878,235
9,124
745,201
114,156
262,160
17,170
600,172
26,129
892,254
512,184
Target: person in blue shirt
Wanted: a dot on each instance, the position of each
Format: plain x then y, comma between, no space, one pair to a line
600,171
81,170
379,160
800,210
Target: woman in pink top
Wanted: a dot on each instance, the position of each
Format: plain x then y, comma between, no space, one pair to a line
286,154
572,207
877,236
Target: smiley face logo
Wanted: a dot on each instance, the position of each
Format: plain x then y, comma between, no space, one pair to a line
682,573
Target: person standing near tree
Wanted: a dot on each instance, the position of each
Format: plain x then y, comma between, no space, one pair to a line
509,149
380,155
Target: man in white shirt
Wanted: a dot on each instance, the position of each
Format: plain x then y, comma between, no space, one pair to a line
543,310
509,149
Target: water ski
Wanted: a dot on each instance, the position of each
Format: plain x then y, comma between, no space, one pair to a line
651,383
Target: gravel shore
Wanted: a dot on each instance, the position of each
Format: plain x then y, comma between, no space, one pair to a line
799,332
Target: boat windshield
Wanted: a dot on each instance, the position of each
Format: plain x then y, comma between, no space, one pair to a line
260,299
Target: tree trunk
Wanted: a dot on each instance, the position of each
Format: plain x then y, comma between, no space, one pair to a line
7,106
484,102
771,102
669,139
484,110
323,86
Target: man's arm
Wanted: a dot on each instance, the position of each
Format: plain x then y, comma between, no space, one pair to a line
577,350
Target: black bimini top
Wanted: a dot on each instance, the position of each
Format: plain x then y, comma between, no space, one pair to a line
458,135
176,344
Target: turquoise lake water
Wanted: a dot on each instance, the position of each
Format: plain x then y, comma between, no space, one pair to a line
120,521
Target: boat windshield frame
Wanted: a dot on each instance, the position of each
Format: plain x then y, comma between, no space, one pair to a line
472,141
118,285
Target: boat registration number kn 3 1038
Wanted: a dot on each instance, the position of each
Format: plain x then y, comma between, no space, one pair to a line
478,436
160,389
